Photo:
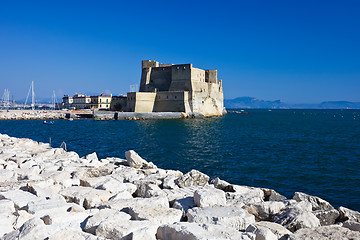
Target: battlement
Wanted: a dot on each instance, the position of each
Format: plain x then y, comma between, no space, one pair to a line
149,63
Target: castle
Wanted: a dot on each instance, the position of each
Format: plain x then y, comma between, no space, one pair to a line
177,88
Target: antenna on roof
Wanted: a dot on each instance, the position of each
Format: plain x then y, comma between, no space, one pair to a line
134,87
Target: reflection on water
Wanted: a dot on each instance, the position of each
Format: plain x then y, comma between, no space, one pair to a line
313,151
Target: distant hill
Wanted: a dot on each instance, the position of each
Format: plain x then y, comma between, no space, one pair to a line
251,102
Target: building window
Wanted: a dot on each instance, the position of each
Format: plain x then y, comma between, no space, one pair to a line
167,97
175,97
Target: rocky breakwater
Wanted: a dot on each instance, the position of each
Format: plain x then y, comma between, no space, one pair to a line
48,193
32,114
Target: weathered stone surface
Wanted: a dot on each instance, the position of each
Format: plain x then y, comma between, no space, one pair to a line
265,210
122,204
145,233
134,160
244,195
295,219
325,232
155,214
111,229
147,189
316,202
348,215
71,234
327,217
209,197
169,182
84,196
222,185
90,172
184,204
7,206
277,229
262,233
272,195
227,216
194,231
353,226
43,188
31,229
6,223
21,217
66,220
179,193
104,215
20,198
192,178
43,206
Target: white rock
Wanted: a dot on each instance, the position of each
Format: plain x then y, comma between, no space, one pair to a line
316,202
111,229
325,232
169,182
85,196
353,226
327,217
21,217
179,193
104,215
20,198
120,204
194,231
184,204
232,217
7,221
209,197
275,228
244,195
294,219
43,206
192,178
70,234
265,210
348,215
7,206
262,233
155,214
134,160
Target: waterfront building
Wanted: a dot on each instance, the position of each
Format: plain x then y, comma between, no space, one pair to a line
177,88
118,103
67,102
100,102
81,101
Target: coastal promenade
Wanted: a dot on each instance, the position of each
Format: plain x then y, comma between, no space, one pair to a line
32,114
50,193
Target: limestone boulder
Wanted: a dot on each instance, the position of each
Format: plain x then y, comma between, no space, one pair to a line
262,233
7,206
348,215
179,193
111,229
233,217
169,182
21,217
294,219
222,185
325,232
194,231
18,197
43,206
316,202
155,214
353,226
272,195
34,228
85,196
104,215
91,172
327,217
243,195
7,220
184,204
192,178
135,161
209,197
265,210
277,229
70,234
123,204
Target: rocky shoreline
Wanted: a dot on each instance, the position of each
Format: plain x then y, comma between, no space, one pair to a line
32,114
49,193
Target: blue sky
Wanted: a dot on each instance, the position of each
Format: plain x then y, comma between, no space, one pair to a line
295,51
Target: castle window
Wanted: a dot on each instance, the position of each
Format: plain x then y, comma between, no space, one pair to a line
175,97
167,97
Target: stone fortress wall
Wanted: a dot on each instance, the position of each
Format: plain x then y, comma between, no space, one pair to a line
177,88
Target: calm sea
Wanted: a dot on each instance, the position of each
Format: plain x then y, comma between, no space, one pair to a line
312,151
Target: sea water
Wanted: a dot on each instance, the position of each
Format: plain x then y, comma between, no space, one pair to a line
311,151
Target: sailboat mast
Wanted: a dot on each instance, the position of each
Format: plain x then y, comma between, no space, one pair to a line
32,96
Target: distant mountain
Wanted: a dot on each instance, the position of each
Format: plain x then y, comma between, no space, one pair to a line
250,102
